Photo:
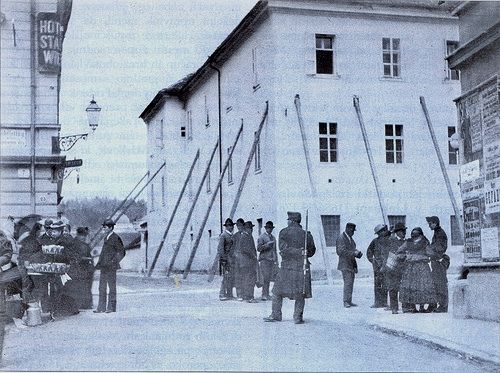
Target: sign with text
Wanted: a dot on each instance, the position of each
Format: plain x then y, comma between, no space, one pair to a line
73,163
50,35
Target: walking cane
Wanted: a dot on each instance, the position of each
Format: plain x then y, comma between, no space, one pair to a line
304,266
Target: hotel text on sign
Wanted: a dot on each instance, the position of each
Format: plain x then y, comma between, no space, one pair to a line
49,42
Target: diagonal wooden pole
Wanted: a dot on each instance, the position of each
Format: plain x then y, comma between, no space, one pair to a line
169,224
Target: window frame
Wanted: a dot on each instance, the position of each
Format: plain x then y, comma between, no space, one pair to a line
322,49
335,228
328,136
451,72
394,138
452,153
391,52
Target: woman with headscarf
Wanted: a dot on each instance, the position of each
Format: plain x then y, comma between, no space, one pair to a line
416,283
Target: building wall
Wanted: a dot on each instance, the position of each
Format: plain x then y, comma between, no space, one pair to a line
18,196
346,187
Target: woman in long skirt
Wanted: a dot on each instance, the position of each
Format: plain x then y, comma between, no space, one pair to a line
416,283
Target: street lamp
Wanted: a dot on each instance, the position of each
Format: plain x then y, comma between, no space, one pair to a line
65,143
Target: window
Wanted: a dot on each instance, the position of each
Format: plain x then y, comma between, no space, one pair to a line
163,190
257,153
456,236
189,129
451,74
183,131
324,54
208,181
391,57
394,143
255,70
327,142
229,166
331,228
393,219
452,153
159,133
207,115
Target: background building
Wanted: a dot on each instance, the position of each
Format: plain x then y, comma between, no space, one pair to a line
478,58
31,166
386,53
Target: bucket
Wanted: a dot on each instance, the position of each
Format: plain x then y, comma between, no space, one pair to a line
33,314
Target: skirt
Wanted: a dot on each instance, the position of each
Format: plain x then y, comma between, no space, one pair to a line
416,285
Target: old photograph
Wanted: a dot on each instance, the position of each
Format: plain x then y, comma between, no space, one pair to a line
250,185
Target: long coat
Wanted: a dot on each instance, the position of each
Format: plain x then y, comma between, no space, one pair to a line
266,246
436,250
291,281
225,248
346,249
377,252
111,254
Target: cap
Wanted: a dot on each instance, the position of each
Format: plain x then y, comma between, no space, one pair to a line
432,219
295,216
228,222
379,227
108,223
350,225
399,227
269,224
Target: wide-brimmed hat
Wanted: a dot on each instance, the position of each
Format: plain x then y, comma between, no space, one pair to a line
432,219
269,224
399,227
249,224
57,225
379,228
240,221
108,223
228,223
350,225
295,216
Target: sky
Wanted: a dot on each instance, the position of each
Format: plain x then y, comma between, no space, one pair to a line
122,52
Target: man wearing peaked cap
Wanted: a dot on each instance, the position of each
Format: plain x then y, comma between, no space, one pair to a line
293,280
440,262
347,252
225,250
109,262
377,254
268,258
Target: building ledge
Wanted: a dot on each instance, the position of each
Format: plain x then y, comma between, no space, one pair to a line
26,160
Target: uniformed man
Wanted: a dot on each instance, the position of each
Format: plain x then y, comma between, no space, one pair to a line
376,254
248,263
347,252
268,257
237,258
294,276
225,250
439,264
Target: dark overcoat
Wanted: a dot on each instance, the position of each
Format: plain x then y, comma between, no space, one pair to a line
377,252
436,250
291,281
346,250
111,254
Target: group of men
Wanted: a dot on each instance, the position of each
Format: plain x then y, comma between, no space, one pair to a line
386,281
243,270
239,264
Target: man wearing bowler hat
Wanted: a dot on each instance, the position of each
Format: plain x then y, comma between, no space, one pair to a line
225,250
439,264
346,250
109,262
293,280
268,258
377,253
248,263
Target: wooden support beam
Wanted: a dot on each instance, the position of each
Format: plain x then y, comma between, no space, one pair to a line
169,224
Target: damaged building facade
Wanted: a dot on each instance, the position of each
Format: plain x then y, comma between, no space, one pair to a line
310,60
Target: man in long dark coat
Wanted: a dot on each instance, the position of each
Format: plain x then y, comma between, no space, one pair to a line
109,262
225,250
268,257
439,264
392,276
376,254
237,258
346,250
85,274
248,264
294,276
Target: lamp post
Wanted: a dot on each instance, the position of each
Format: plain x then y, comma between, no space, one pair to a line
65,143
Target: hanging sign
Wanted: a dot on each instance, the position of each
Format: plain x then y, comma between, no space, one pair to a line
50,35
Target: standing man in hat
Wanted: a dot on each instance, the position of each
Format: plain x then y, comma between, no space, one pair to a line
392,276
268,257
240,224
248,264
86,268
439,264
377,253
293,280
109,262
225,250
346,250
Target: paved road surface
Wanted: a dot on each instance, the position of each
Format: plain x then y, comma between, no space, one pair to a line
188,328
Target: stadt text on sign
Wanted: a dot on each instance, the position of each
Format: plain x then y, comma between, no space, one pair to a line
49,42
